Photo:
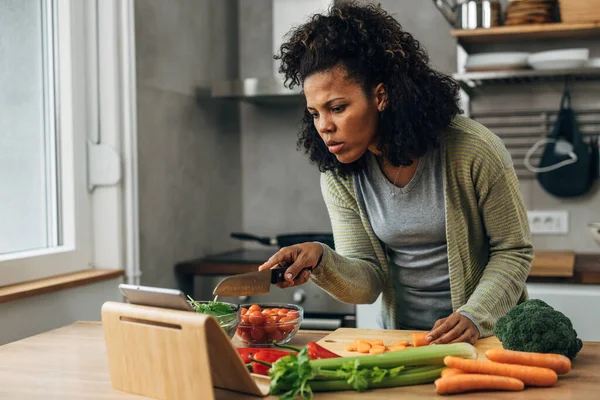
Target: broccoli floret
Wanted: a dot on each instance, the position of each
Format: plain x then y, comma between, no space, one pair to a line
534,326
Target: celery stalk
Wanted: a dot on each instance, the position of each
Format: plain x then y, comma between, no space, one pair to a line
423,376
425,355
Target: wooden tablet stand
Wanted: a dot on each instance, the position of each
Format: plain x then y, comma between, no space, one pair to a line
170,354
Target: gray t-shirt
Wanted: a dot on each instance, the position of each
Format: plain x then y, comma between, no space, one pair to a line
411,222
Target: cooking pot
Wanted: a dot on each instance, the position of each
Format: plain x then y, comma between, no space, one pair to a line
288,239
470,14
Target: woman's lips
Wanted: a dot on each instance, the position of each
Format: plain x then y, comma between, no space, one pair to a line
335,148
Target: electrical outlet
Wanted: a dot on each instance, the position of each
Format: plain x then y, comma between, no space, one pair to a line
548,222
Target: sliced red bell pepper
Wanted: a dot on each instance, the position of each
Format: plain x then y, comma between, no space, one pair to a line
244,352
263,360
317,352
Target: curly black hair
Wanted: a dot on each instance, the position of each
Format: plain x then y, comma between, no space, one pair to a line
373,48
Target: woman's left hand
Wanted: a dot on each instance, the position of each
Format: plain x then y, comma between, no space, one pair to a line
453,329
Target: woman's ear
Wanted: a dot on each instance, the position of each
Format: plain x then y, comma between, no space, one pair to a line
381,97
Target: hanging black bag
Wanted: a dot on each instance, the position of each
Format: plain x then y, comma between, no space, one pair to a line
564,169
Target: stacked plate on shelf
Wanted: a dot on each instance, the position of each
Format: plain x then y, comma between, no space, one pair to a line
521,12
500,61
559,59
544,60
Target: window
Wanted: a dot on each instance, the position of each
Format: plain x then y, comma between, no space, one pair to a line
66,129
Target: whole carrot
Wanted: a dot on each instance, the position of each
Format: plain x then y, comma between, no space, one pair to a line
473,382
451,372
557,362
531,376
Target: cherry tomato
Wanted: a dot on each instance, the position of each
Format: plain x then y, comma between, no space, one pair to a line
256,318
270,326
257,333
275,336
283,312
254,307
244,336
243,311
285,327
293,314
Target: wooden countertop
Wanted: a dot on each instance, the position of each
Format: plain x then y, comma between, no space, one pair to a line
70,363
586,267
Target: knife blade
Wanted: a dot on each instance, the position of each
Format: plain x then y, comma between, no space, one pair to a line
250,283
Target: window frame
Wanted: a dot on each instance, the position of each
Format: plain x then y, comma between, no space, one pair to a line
96,106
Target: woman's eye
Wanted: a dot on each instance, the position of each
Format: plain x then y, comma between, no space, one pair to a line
338,109
315,115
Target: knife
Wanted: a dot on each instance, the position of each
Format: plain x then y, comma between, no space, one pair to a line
250,283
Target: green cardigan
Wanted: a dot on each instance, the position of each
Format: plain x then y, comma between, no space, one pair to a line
487,232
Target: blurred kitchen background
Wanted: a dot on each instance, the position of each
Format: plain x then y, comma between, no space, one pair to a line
213,165
217,138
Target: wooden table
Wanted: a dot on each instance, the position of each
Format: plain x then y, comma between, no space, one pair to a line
70,363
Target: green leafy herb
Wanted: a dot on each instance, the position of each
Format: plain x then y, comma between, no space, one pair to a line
290,375
214,308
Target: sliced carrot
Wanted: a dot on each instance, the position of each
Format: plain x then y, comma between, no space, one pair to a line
363,346
420,339
451,372
556,362
375,342
531,376
377,350
396,348
350,347
402,343
473,382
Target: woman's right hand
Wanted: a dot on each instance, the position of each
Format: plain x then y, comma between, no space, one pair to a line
298,257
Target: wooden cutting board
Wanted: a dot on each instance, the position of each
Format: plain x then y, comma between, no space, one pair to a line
336,340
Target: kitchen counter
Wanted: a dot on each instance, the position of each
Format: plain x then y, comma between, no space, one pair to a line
70,363
586,268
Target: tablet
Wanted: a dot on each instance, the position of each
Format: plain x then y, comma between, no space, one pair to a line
155,297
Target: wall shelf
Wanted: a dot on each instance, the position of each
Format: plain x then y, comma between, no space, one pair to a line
470,81
526,32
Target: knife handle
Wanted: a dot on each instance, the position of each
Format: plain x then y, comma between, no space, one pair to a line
278,273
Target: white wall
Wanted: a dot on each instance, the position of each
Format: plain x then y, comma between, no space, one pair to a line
37,314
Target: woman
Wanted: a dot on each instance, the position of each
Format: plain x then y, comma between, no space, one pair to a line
424,204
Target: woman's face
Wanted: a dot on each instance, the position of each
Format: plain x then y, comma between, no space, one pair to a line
345,117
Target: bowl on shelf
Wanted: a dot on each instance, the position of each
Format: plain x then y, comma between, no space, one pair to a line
594,228
229,322
267,324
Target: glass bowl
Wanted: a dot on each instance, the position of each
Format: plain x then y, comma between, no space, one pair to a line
229,322
267,324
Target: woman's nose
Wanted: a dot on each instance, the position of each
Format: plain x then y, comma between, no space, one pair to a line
325,125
